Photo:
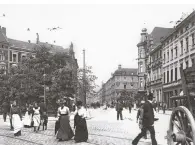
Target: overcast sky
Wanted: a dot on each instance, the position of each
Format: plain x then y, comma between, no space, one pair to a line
109,33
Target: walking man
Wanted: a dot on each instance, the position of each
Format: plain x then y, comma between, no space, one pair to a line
119,109
148,122
5,108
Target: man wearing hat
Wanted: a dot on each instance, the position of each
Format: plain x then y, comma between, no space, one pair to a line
147,122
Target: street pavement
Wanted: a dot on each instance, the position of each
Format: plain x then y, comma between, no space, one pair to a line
103,129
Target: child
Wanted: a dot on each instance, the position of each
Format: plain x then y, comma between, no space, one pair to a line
44,120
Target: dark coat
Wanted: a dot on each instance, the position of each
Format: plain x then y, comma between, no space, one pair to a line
119,106
148,116
5,107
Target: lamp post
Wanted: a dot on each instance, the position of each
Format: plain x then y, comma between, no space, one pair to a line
145,89
44,87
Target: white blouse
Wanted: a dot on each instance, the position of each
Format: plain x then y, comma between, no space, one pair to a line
64,110
82,112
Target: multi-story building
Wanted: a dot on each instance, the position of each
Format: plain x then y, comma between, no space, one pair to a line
150,61
154,83
12,51
122,79
178,52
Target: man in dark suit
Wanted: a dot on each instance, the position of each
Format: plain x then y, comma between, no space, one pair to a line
148,121
119,109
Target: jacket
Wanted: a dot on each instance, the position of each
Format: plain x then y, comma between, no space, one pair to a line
148,116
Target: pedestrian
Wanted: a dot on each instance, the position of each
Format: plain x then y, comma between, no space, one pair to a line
65,132
164,107
10,116
16,119
148,121
27,117
130,106
44,120
140,113
80,125
119,109
5,109
36,117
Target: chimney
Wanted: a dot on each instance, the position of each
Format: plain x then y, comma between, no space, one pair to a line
28,41
37,38
119,66
3,30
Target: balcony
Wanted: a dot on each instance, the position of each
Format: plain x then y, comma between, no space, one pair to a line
172,84
155,82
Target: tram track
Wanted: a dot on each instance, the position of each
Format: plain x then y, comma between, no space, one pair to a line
42,133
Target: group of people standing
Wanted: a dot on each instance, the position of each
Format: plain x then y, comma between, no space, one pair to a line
63,128
36,115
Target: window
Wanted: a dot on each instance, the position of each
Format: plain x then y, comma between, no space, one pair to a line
167,56
181,42
124,77
176,52
124,86
14,57
176,74
171,54
175,92
160,53
141,67
164,77
141,82
181,32
164,57
167,76
171,75
187,65
193,40
192,61
181,65
187,27
2,57
187,45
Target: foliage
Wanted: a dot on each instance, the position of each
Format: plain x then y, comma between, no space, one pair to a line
26,80
89,81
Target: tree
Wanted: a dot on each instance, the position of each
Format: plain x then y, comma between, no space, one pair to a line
26,80
89,82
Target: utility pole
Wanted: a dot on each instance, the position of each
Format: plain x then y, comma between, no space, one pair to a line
44,87
84,79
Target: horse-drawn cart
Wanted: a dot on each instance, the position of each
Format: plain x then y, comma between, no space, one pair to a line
182,122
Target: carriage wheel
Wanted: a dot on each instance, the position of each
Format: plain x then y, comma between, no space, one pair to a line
181,127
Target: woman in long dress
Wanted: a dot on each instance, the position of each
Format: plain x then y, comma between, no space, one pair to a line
80,125
16,119
36,117
27,117
64,132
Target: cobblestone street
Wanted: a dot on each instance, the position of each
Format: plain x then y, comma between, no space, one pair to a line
103,128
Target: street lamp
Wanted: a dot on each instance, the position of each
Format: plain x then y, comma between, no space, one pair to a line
44,88
145,89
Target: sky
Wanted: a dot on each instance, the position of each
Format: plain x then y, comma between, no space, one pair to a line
108,33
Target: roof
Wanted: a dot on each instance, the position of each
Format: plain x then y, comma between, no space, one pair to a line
22,44
158,33
54,48
31,46
126,71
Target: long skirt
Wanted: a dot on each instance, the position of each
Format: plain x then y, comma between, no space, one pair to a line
27,119
81,132
65,131
17,123
36,120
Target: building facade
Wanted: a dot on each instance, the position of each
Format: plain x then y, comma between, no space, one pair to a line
13,51
123,79
178,52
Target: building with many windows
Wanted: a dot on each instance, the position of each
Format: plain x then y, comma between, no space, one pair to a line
178,52
150,61
122,79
